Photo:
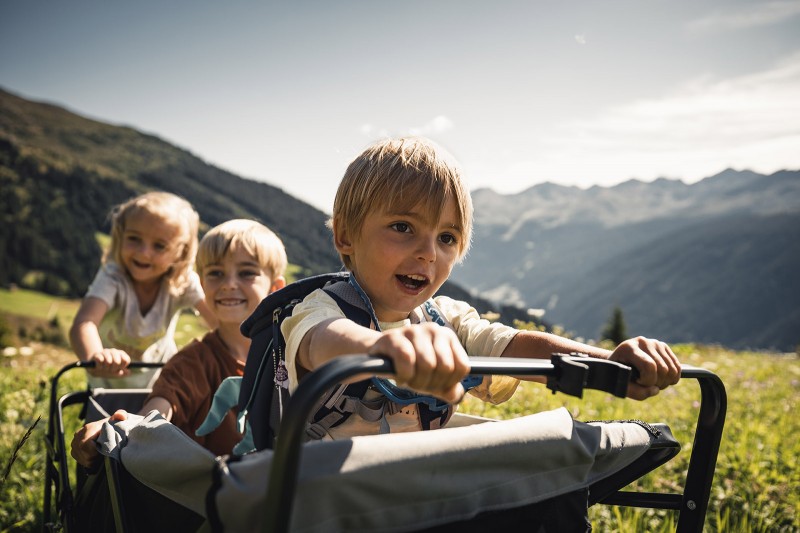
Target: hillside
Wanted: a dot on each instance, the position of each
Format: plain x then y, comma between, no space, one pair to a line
61,173
715,261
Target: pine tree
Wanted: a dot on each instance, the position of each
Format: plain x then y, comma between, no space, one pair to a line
615,330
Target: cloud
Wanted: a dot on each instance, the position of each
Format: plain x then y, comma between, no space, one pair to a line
759,14
369,131
439,124
750,121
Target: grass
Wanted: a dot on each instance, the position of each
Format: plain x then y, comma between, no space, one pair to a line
756,486
32,304
757,480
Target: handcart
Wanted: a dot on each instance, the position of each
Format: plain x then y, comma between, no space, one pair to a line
281,490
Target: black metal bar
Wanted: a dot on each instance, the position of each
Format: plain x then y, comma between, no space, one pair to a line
707,439
655,500
67,501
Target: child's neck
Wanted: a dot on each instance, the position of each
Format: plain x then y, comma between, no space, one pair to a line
238,345
146,294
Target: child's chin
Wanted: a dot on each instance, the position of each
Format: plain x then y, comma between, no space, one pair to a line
232,311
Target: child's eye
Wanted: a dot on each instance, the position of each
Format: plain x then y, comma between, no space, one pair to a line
160,246
132,238
213,273
448,238
247,274
402,227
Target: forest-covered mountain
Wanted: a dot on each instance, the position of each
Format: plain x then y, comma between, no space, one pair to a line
715,261
61,173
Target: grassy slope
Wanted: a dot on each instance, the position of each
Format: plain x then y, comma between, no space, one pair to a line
757,480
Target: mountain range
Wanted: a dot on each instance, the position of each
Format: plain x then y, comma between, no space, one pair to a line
717,261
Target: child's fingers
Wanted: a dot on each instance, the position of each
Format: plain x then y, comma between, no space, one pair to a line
83,447
656,363
434,361
119,414
665,367
400,350
639,392
427,358
111,362
452,361
673,374
440,362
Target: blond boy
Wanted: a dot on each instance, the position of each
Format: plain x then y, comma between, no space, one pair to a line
402,218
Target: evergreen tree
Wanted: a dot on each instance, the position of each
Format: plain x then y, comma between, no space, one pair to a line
615,330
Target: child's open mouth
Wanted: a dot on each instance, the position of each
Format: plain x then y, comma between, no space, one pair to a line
231,302
413,281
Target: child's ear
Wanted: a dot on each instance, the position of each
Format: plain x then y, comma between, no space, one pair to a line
342,241
277,284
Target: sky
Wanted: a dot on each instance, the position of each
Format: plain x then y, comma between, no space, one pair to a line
521,92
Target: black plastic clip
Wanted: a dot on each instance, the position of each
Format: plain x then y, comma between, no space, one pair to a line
575,372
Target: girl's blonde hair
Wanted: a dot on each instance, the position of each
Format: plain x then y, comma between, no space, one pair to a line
401,174
171,209
253,237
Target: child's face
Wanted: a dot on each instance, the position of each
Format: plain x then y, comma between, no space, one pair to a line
401,259
235,286
150,246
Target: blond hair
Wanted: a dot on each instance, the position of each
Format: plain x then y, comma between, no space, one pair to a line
173,210
401,174
253,237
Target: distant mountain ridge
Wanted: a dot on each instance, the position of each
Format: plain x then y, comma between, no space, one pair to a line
715,261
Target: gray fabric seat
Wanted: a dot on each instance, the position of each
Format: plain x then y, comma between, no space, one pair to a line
385,483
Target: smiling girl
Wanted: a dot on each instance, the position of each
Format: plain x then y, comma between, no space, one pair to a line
131,308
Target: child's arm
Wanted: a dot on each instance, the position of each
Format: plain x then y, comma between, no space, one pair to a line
85,339
84,447
84,442
160,404
427,358
657,365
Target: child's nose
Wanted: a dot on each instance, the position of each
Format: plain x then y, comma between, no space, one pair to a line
427,250
146,249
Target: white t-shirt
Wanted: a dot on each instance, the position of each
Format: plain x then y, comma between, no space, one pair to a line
478,336
148,338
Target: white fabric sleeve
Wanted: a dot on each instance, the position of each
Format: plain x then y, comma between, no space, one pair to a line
479,337
106,284
315,308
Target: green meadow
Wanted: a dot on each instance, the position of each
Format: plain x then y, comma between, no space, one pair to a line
757,481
